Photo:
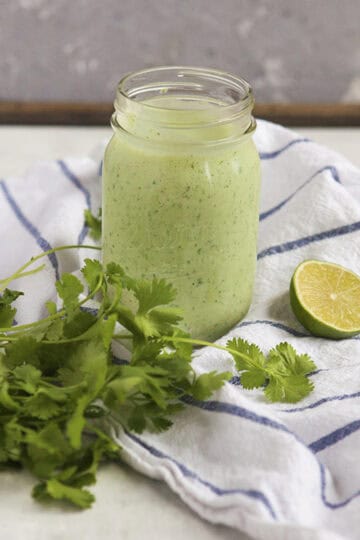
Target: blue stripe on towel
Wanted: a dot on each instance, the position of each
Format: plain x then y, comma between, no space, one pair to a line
317,370
76,182
333,506
275,153
321,401
333,170
300,242
120,361
276,208
44,244
288,329
242,412
252,493
335,436
92,311
235,410
274,324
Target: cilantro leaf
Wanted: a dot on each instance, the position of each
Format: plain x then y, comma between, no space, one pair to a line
49,438
288,389
153,316
283,372
150,381
249,360
182,349
7,312
6,400
101,327
283,357
207,383
27,377
93,223
22,351
150,294
88,364
80,323
76,422
287,374
9,296
78,496
41,406
253,379
7,315
69,287
93,272
51,307
146,352
55,330
127,319
114,273
250,354
158,320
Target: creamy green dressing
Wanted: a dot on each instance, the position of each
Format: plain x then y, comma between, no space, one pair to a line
187,213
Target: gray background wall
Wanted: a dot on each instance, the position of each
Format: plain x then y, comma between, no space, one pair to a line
76,50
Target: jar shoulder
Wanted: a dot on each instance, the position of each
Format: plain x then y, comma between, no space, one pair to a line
129,149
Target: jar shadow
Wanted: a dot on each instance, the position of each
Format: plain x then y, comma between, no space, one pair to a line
280,310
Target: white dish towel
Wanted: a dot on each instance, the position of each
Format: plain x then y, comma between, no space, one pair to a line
275,471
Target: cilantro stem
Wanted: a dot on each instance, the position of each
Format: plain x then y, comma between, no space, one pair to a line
215,346
17,329
20,273
203,344
20,270
114,303
16,275
46,342
82,337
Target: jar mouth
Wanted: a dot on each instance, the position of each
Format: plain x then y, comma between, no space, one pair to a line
230,89
183,98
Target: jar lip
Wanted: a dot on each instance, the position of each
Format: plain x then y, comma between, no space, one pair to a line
180,103
237,87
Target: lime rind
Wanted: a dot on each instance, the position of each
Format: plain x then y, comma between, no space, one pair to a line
307,317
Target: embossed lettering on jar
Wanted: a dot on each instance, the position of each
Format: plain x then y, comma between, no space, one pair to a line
181,180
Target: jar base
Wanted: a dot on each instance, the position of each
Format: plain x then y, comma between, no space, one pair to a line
214,333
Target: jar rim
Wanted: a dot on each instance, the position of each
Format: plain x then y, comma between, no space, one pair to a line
175,102
233,82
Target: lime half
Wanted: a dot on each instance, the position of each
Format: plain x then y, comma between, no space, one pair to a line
325,298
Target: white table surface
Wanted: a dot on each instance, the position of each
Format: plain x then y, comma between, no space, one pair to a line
21,146
129,506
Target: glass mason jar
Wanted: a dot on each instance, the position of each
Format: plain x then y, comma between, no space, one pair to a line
181,180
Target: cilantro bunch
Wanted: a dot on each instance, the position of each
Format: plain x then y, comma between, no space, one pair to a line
60,385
